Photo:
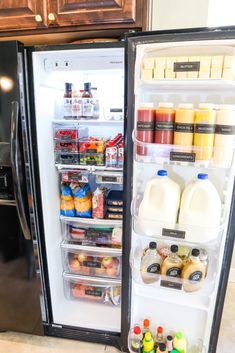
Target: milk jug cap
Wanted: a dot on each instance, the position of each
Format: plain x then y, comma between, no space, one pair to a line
226,107
202,176
179,335
162,173
166,105
206,106
185,106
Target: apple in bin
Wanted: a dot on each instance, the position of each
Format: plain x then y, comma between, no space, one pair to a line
110,262
81,257
74,264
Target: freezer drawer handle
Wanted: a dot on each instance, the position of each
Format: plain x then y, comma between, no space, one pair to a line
17,170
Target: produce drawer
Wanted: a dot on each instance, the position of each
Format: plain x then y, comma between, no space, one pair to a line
95,290
92,158
91,261
66,158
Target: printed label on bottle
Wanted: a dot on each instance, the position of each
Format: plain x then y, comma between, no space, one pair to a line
187,66
87,107
94,293
183,127
169,284
173,233
196,276
182,156
164,126
205,128
225,129
153,268
95,264
173,272
145,125
76,107
67,107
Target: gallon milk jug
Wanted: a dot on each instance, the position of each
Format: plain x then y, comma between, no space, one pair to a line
200,206
160,203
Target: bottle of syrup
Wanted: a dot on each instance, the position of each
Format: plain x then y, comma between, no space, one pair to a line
87,101
68,101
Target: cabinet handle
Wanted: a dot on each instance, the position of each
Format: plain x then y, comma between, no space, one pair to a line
51,17
38,18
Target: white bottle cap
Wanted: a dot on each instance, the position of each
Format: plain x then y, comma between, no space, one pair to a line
206,106
146,105
166,105
226,107
185,106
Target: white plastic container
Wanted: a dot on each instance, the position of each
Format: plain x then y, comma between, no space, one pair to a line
160,202
224,136
200,206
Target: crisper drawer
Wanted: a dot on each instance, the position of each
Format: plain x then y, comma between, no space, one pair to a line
91,261
85,234
95,290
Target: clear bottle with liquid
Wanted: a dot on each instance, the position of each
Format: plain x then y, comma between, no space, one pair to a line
159,336
136,340
169,343
87,101
151,264
96,104
172,265
76,104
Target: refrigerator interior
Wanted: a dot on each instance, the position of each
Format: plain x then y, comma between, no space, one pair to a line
104,68
174,309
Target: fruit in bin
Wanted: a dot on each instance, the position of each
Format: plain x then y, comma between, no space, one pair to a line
85,270
100,271
82,257
74,264
112,272
109,262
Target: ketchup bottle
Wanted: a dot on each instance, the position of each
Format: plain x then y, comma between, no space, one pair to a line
164,123
145,126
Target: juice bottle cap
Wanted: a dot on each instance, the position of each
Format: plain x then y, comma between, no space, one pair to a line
162,173
166,105
202,176
196,253
185,106
137,330
209,106
180,335
146,105
146,323
162,347
152,245
226,107
174,248
160,329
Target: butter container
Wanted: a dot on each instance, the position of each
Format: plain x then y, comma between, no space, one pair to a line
193,74
229,62
146,74
205,62
217,61
204,73
170,62
228,74
181,75
169,74
182,59
148,63
159,73
216,72
160,62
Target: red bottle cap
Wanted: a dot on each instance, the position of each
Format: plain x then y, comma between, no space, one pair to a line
160,329
137,330
146,323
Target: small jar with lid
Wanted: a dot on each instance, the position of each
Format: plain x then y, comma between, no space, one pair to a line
184,125
164,123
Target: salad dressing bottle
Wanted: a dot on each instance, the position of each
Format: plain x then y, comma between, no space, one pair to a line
150,264
172,265
194,271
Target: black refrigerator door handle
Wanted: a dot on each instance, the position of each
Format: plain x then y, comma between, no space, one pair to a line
16,170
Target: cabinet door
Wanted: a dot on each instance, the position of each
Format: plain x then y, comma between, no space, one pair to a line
22,14
91,12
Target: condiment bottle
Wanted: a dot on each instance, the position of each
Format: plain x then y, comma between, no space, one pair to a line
164,123
146,326
224,135
76,104
204,259
68,101
169,343
159,336
204,131
96,109
184,125
161,348
150,264
145,127
136,340
173,264
87,101
180,343
148,343
194,271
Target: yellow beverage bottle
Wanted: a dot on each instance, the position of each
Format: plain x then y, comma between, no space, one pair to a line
184,125
148,343
204,131
180,343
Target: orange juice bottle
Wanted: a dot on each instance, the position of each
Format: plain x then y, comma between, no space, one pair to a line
184,125
204,131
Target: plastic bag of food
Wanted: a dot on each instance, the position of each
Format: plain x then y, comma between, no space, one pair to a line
66,201
82,199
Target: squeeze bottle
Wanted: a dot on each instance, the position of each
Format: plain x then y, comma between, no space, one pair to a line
148,343
180,343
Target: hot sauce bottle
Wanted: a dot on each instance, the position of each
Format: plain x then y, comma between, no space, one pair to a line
68,101
164,123
87,101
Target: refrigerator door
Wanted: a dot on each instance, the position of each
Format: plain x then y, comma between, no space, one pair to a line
19,296
80,288
157,65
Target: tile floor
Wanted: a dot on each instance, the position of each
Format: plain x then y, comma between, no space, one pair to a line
20,343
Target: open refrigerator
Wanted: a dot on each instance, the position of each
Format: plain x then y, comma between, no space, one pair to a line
80,237
165,300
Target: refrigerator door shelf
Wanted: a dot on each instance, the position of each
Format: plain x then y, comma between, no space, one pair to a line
92,235
91,261
89,168
93,122
175,231
92,221
94,290
170,155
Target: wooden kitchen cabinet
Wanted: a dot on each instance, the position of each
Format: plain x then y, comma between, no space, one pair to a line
22,14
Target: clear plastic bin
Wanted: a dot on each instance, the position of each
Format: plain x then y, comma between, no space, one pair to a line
92,158
92,145
66,158
66,146
95,290
90,261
